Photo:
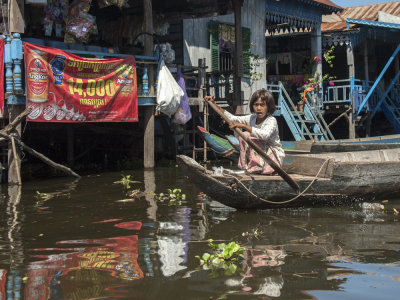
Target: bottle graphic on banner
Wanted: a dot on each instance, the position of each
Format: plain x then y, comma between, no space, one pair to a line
145,80
37,76
57,66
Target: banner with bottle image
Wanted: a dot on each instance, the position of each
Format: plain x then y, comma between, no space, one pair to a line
63,87
1,77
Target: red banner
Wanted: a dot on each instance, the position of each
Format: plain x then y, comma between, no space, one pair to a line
1,77
63,87
3,284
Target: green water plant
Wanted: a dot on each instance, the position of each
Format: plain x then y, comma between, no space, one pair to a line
173,196
41,196
126,181
224,257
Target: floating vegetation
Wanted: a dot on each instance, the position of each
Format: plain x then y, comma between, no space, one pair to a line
126,181
254,233
173,196
42,196
225,257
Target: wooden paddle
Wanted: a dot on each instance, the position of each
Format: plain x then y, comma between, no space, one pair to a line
293,184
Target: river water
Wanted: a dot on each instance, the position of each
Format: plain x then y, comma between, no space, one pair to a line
93,239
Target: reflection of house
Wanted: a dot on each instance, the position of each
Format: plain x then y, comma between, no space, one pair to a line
365,40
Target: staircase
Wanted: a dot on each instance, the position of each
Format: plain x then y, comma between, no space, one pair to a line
390,106
306,125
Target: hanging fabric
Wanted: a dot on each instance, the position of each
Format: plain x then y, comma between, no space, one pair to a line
183,114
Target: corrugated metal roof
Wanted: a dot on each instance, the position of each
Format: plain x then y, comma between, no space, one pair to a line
328,3
365,12
373,23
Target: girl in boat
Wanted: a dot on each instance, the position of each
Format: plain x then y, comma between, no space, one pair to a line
262,128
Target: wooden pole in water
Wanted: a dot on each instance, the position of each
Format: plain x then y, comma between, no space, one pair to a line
148,147
238,58
14,156
293,184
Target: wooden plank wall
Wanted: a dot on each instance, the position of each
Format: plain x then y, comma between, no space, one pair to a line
196,40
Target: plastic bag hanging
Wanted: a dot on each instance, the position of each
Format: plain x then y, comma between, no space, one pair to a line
169,93
183,114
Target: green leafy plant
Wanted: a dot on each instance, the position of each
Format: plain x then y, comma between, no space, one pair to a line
224,257
174,196
126,181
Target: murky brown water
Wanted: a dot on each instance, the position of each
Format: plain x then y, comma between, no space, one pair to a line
87,241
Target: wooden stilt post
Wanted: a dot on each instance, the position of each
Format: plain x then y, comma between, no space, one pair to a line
14,155
366,71
148,151
202,83
15,100
350,64
396,66
316,50
238,59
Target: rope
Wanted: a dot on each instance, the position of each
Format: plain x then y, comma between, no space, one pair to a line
281,202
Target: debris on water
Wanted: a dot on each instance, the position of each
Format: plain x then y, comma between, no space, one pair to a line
126,200
385,201
107,221
396,212
218,171
136,193
372,206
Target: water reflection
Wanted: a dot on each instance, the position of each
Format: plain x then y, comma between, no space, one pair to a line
150,188
81,243
60,275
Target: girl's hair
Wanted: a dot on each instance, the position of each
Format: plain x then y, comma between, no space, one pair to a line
265,96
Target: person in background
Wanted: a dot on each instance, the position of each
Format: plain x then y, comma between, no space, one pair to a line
262,128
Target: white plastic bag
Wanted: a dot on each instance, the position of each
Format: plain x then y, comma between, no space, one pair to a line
169,93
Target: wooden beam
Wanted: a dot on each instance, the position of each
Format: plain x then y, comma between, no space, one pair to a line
12,133
148,148
16,16
238,59
343,114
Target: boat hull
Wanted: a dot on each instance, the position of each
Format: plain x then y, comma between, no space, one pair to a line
347,145
343,182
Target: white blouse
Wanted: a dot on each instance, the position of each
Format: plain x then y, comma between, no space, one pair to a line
266,130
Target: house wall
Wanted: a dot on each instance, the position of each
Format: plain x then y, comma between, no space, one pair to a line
196,41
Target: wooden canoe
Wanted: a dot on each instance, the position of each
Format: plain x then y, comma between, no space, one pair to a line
342,177
348,145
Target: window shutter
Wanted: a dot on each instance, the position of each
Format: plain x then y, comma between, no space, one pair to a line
213,28
246,33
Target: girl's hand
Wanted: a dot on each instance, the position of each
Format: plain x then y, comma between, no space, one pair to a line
209,99
234,125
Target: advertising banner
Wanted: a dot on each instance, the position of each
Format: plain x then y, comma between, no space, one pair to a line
1,77
63,87
2,284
